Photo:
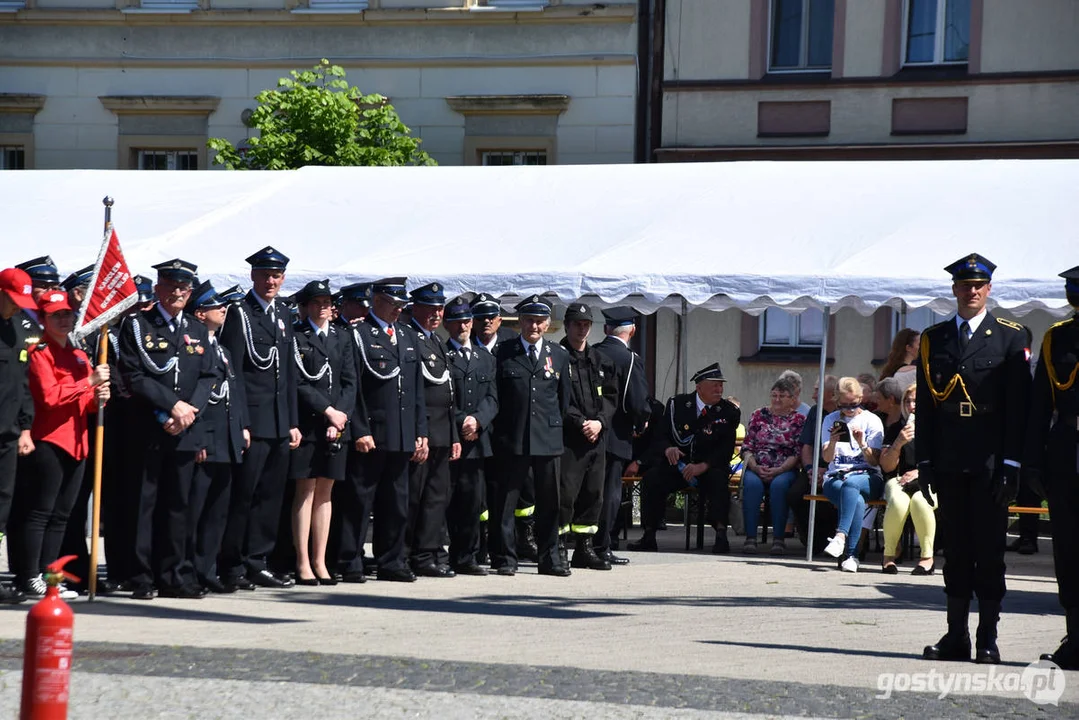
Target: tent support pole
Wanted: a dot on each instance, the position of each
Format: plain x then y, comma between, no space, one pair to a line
683,346
817,436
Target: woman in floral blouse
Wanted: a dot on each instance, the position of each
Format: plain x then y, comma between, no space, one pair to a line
771,460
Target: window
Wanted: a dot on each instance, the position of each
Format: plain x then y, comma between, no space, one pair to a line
168,160
917,319
12,157
513,157
780,328
937,32
801,35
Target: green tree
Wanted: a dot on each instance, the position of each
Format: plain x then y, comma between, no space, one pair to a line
317,118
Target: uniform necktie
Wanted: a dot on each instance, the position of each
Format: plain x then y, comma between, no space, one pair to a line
468,354
389,331
964,335
532,355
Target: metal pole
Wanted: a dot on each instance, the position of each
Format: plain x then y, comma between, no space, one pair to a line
817,437
683,347
99,438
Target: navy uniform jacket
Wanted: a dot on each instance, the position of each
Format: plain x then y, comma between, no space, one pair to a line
532,401
332,360
591,390
1053,432
17,335
146,347
392,386
223,421
270,378
708,438
980,428
437,390
475,394
631,401
501,335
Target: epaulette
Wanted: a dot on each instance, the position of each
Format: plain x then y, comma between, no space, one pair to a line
1009,323
1062,323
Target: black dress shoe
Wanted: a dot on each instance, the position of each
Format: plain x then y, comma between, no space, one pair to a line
722,545
143,591
331,580
307,582
919,570
949,647
554,570
647,543
215,585
182,592
402,575
238,583
470,569
11,596
435,571
265,578
616,559
1028,546
1066,656
506,571
891,569
354,576
988,655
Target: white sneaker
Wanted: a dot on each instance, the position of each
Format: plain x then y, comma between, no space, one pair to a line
67,593
36,586
850,565
836,546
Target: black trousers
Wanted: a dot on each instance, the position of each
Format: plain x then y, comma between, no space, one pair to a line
52,488
581,488
9,454
208,513
612,501
661,480
161,536
428,501
975,536
463,514
384,490
348,530
545,472
1063,491
1027,524
258,489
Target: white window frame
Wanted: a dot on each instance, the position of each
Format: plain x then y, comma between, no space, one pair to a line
923,317
794,339
5,147
166,151
803,49
518,154
938,38
340,7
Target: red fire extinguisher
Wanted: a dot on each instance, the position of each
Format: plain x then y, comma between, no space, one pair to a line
46,667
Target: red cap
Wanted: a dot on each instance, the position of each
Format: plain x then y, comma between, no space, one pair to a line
53,301
16,283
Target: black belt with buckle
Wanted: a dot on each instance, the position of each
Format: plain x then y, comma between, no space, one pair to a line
966,409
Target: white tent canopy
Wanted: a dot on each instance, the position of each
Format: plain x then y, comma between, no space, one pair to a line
754,234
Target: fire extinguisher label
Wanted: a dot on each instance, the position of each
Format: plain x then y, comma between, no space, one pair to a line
53,670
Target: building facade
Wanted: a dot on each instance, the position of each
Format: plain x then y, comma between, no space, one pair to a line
142,84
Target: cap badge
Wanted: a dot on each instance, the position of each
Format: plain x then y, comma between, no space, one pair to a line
972,262
176,265
434,286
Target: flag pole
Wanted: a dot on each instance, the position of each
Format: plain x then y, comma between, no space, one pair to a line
99,437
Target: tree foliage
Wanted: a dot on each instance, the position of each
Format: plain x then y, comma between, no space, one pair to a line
316,118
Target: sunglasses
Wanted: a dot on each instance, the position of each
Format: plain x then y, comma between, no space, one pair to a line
853,406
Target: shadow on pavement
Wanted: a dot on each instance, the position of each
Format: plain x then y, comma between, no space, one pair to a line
158,611
529,606
834,650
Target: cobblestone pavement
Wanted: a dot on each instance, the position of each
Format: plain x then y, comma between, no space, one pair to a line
706,636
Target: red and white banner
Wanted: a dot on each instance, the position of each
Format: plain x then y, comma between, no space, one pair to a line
111,291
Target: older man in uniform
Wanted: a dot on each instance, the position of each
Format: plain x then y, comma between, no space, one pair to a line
533,396
258,335
355,302
472,368
973,387
16,404
429,481
692,448
392,384
164,360
631,411
1052,454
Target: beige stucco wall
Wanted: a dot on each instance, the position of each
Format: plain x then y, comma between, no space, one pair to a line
862,51
707,39
997,112
1030,35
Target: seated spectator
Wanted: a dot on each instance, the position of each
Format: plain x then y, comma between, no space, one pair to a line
825,514
889,396
855,436
66,388
902,492
869,391
799,407
900,362
771,458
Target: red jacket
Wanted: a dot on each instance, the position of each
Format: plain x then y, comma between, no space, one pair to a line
63,397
